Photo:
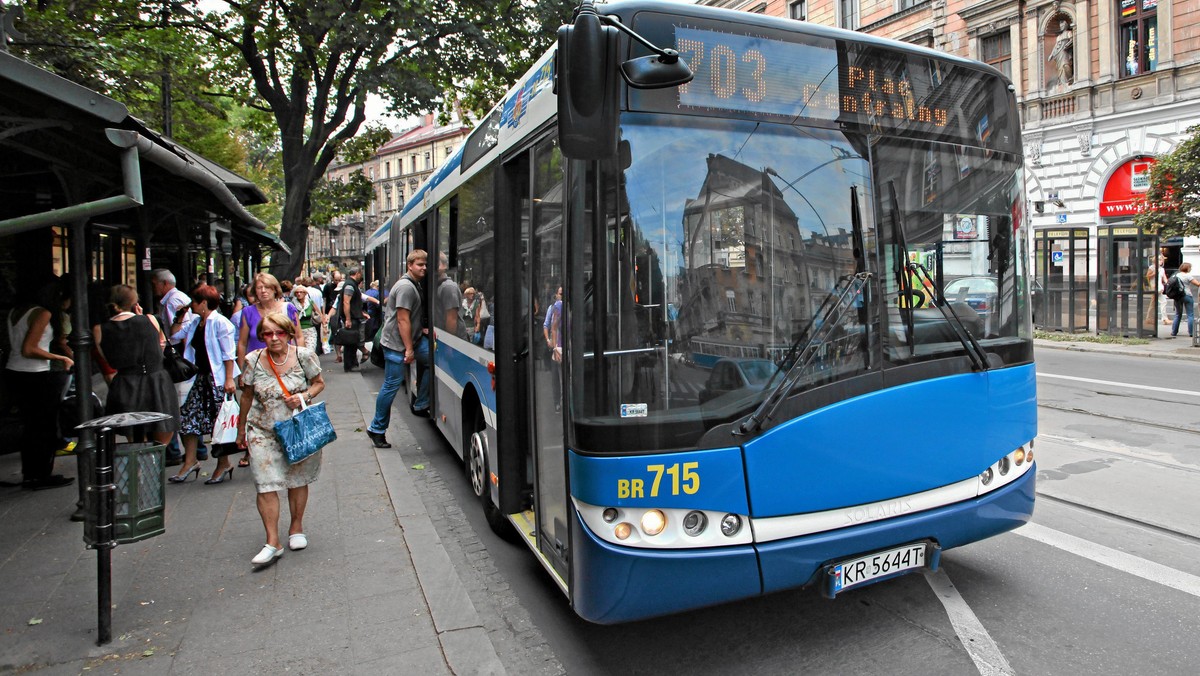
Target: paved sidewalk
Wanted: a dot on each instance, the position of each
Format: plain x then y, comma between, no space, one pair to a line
374,593
1163,347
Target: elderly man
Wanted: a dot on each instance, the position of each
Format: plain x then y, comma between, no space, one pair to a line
172,301
350,308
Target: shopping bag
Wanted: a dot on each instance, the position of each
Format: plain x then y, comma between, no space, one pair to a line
225,429
306,432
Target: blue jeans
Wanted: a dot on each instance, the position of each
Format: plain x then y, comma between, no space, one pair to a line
425,371
393,377
394,373
1188,303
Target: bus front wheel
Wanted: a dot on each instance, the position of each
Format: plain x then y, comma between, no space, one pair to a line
477,472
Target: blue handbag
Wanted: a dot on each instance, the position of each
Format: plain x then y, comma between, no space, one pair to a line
307,431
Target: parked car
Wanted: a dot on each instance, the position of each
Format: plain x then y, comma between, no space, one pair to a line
733,375
979,292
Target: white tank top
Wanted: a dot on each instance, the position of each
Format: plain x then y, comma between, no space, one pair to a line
16,338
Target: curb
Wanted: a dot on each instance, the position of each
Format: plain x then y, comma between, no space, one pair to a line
1174,354
464,640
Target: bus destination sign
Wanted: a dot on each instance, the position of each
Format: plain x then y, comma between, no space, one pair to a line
755,74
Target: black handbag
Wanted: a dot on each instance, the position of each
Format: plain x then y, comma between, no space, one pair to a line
68,409
176,366
348,336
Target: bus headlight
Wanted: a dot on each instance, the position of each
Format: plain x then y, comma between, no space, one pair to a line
653,522
986,477
622,531
610,515
694,523
1019,456
1004,465
731,525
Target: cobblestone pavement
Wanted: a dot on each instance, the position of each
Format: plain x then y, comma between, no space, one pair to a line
520,645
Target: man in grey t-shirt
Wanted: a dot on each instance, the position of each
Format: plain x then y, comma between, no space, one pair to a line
404,342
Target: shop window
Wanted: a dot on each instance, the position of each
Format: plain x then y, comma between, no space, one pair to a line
1138,36
996,51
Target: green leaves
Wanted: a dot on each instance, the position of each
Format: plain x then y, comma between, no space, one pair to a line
1172,204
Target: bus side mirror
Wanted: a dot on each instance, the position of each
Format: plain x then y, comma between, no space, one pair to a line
587,89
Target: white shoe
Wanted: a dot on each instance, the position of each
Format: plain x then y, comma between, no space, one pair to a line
267,555
297,541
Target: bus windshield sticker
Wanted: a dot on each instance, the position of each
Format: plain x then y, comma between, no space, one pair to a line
635,410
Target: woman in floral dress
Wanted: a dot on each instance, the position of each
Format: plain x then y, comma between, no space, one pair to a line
263,404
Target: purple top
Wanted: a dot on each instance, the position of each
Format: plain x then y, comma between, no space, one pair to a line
251,318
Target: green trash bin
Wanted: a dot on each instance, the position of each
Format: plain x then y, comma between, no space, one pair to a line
139,483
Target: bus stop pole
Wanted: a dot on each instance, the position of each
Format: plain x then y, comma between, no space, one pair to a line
105,502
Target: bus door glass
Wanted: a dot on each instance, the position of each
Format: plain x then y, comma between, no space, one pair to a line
545,361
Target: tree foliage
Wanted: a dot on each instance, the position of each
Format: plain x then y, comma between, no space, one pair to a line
313,64
307,65
1171,206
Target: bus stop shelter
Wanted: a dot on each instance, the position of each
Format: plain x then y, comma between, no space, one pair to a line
90,190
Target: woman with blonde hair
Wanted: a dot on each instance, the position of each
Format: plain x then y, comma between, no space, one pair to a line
278,379
269,299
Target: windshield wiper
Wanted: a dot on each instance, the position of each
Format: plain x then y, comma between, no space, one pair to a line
974,349
801,353
903,267
902,280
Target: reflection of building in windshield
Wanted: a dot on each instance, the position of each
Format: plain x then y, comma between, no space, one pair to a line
751,279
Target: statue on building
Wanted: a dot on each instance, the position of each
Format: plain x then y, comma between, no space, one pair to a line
1063,54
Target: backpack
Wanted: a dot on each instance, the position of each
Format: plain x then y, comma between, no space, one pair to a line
1174,289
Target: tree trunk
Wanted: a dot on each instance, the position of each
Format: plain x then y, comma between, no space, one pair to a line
299,170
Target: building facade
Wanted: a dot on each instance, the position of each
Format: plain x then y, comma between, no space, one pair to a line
1103,86
396,170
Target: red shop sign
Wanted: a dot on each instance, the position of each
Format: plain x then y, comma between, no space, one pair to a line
1123,192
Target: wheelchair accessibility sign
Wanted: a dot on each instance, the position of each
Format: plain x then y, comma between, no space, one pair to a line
1056,257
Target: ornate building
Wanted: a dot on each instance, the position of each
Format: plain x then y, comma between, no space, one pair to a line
396,170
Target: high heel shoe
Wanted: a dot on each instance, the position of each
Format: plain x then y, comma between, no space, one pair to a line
180,478
222,477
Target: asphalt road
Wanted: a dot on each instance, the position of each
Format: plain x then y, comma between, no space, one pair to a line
1106,580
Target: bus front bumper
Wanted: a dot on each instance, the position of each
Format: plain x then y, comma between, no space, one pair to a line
613,584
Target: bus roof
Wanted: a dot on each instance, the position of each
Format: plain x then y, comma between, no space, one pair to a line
530,102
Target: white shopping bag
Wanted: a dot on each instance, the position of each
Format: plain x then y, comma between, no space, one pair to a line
225,429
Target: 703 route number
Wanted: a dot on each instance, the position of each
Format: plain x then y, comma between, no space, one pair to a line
681,476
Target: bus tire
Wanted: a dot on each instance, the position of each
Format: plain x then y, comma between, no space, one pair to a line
478,474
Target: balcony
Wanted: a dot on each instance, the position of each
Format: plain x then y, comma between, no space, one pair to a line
1062,106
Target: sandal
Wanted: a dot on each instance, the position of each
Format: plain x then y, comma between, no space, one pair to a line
244,462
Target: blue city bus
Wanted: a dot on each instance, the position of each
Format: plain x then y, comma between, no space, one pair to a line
764,373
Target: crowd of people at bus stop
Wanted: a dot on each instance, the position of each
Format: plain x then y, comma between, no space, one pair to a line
258,347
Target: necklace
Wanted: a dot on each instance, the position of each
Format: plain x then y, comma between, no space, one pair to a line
286,352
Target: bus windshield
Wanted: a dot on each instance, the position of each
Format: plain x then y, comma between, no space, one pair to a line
718,251
723,241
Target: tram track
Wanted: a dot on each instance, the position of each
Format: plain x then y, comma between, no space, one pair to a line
1091,509
1118,418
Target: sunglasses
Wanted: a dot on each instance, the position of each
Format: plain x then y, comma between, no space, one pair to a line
275,334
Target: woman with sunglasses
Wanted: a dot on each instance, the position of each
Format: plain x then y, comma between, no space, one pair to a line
278,379
210,344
